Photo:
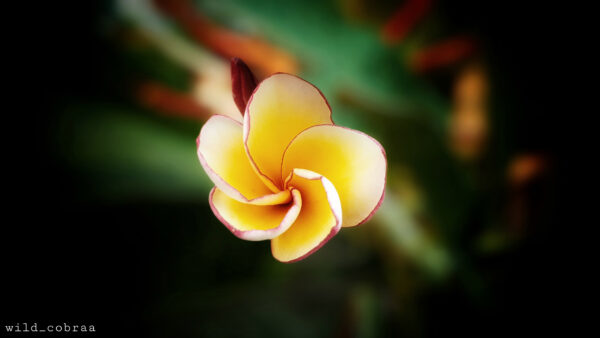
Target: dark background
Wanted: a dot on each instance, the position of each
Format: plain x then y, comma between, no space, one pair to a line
69,257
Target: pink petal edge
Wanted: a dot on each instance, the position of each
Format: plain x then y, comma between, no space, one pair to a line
261,235
370,215
271,185
218,180
336,213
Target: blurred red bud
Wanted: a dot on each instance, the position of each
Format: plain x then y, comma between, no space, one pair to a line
243,83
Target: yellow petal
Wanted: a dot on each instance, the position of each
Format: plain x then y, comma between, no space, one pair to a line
354,162
282,106
254,222
320,218
222,155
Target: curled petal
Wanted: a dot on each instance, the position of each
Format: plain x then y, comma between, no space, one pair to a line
222,155
320,218
354,162
254,222
243,83
282,106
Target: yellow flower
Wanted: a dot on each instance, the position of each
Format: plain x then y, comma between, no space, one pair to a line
288,173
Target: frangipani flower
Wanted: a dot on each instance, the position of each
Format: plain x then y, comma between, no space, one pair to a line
287,173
